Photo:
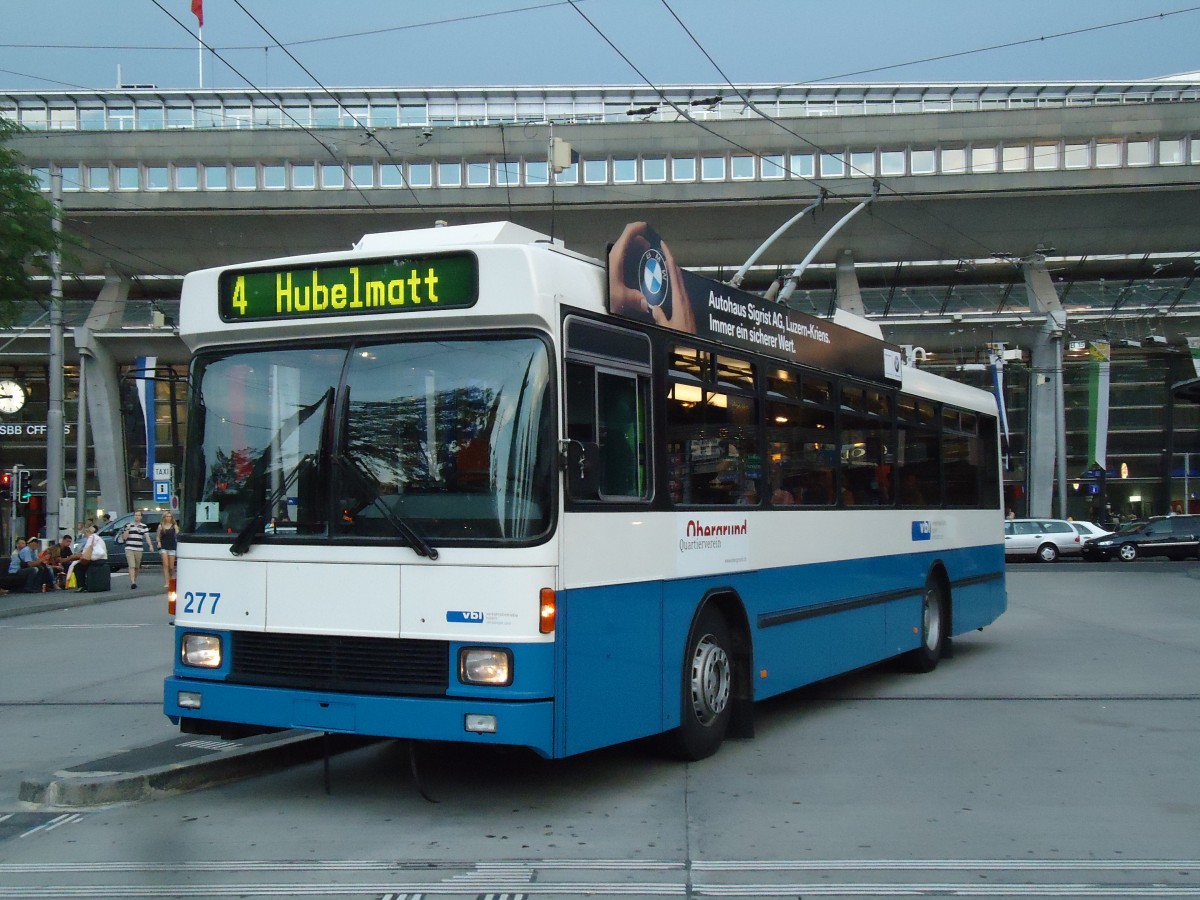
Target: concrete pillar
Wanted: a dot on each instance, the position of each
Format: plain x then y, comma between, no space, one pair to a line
849,296
103,393
1046,442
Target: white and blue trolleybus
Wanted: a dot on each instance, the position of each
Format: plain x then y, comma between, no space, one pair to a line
463,484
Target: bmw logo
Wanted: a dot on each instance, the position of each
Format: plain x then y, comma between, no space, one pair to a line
654,283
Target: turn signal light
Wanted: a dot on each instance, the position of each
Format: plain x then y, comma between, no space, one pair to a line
548,615
171,598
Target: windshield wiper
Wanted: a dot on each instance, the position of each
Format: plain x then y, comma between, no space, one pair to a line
402,528
245,537
286,429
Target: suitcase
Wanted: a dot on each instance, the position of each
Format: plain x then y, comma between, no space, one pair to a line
99,576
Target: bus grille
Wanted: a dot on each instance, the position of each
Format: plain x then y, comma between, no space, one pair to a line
340,664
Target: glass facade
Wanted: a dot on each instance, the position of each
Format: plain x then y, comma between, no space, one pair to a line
883,161
391,108
1145,465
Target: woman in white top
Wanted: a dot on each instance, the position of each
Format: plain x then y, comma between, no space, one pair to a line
94,550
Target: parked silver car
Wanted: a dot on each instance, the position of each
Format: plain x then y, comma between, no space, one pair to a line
1044,539
1089,531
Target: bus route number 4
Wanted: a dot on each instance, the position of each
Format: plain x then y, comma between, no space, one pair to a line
193,602
239,296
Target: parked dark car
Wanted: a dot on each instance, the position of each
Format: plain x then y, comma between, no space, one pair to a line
116,549
1177,537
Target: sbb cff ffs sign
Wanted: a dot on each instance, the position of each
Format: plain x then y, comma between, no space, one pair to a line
28,429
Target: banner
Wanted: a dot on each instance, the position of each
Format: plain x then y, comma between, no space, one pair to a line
1099,355
644,283
145,367
1194,348
998,389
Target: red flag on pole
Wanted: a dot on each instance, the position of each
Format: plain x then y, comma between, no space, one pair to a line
198,10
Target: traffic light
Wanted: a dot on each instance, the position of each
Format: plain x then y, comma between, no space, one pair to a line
6,485
24,488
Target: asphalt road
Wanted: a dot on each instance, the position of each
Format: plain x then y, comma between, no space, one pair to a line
1054,755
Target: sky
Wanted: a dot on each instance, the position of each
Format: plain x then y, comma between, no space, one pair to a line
97,44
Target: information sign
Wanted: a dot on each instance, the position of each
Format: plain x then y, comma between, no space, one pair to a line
409,284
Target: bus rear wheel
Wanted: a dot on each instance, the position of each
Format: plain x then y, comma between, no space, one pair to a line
707,689
934,622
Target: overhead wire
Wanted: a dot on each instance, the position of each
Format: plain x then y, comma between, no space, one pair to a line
685,115
991,47
272,101
240,47
751,105
67,84
79,227
369,132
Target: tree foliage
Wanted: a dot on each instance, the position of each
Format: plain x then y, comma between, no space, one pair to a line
27,235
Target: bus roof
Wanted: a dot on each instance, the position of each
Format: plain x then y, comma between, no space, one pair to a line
457,236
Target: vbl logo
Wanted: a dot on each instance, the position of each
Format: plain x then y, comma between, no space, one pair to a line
464,615
922,531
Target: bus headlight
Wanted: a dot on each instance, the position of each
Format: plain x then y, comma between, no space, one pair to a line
485,665
203,650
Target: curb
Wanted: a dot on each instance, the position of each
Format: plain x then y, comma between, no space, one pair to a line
19,604
84,787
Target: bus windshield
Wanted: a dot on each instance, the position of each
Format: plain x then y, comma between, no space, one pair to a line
413,441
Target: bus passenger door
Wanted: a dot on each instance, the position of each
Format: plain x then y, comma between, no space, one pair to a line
609,620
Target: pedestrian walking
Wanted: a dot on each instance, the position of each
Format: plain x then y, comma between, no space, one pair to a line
136,538
168,541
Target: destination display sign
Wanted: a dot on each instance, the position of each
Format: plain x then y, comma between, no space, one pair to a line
406,285
645,283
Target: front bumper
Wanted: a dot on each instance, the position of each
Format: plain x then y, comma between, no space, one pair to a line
524,723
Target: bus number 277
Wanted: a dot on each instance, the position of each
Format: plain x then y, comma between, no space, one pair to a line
193,602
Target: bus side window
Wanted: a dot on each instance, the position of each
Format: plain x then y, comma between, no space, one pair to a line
608,412
608,431
581,403
621,423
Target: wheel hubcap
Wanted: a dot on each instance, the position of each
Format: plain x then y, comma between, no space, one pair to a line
710,680
932,620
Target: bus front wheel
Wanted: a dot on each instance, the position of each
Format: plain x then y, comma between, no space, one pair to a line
934,623
707,689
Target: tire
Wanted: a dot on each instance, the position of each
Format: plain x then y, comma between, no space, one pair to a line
934,623
1127,552
707,681
1047,553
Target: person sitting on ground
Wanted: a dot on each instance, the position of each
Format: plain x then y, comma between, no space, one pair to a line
94,550
14,561
39,575
65,556
15,579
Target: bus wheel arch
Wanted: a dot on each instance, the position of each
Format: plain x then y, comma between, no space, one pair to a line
936,624
716,697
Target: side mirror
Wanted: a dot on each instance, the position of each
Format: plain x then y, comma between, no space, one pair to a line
583,463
